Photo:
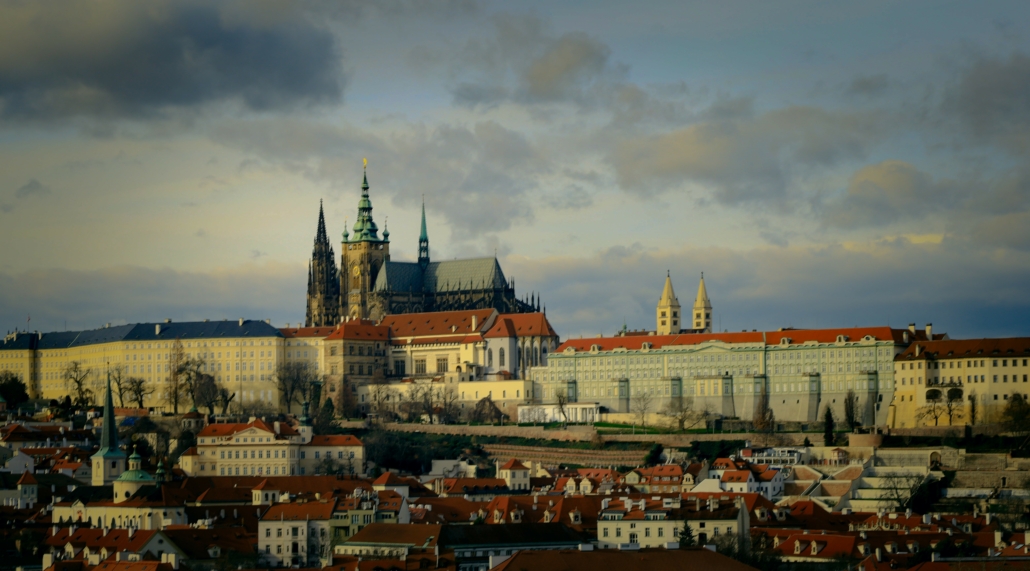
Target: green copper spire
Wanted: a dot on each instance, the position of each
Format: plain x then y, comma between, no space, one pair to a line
109,436
423,235
423,240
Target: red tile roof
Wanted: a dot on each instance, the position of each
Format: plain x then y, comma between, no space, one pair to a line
334,440
513,464
319,510
796,336
361,329
962,348
27,479
438,323
291,332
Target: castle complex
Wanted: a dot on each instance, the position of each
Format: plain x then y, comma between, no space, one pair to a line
369,285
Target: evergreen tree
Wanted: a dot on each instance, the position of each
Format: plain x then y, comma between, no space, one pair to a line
687,538
828,436
325,420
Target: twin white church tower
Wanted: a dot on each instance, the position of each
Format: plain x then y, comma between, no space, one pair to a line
670,319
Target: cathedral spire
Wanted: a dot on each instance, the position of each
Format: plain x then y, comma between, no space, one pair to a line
423,240
320,235
323,279
702,308
667,314
365,228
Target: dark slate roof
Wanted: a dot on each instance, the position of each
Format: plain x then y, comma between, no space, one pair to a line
19,341
474,273
89,494
149,332
454,536
400,277
102,335
9,481
202,330
58,340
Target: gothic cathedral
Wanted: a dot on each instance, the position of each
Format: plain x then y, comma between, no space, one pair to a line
368,285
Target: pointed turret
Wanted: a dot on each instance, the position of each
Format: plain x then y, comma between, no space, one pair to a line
702,308
323,301
423,241
667,313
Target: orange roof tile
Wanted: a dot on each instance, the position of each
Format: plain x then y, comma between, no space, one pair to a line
360,329
438,323
334,440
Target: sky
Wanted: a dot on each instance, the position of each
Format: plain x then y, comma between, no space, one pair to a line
824,164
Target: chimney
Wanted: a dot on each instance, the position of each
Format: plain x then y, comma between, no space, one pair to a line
277,427
241,322
879,555
912,327
168,320
475,321
929,331
904,336
157,329
917,350
171,559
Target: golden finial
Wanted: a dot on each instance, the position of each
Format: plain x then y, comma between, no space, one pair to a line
366,162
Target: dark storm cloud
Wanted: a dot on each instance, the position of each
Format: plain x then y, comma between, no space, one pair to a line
523,62
121,58
868,85
991,102
32,188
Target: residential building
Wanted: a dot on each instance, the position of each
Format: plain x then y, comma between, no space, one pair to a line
657,521
296,533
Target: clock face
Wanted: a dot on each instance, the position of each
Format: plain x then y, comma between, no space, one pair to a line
356,271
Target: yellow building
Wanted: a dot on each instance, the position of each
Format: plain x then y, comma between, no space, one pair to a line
937,382
241,355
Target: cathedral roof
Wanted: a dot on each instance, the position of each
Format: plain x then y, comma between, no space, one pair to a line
451,275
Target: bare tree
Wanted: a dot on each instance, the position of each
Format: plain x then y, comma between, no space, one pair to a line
851,410
447,400
900,487
763,420
119,383
561,400
642,403
973,411
78,377
192,370
381,396
175,391
681,412
294,380
934,408
224,399
955,406
138,389
205,393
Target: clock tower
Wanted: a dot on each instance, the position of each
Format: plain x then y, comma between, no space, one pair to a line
363,254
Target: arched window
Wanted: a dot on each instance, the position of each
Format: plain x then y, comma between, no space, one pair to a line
500,357
489,357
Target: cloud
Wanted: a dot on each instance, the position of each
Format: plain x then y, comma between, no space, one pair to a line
524,62
868,85
200,233
742,158
121,58
574,197
6,207
478,177
990,102
32,188
883,193
129,294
